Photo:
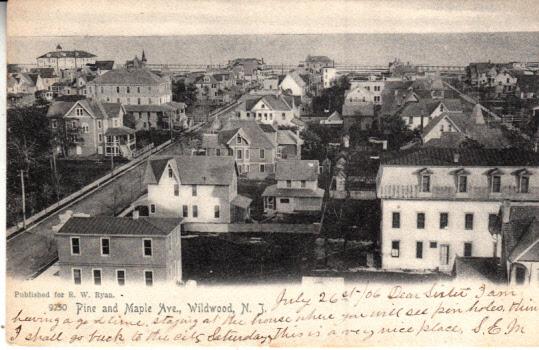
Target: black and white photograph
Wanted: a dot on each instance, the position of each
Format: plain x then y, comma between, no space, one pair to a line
271,173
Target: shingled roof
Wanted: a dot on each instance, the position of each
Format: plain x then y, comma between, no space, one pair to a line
296,170
430,156
252,129
69,54
521,234
108,225
194,170
128,77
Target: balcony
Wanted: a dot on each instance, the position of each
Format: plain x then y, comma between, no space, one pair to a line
450,193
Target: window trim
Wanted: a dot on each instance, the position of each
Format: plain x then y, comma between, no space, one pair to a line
459,183
492,183
396,223
73,275
101,245
466,216
145,280
396,252
520,178
71,245
423,176
100,276
144,247
125,276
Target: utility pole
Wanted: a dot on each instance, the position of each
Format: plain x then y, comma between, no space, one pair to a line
112,162
23,200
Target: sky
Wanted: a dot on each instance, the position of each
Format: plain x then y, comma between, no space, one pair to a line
166,17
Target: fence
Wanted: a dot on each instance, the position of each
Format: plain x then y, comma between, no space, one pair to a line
63,202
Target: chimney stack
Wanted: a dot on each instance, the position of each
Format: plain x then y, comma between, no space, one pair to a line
135,214
506,211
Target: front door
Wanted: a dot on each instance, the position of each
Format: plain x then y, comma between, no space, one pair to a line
444,254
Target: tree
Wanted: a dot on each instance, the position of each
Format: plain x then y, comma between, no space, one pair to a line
182,92
312,148
331,99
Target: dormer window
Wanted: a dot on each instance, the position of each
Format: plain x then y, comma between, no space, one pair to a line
523,180
462,183
495,180
424,180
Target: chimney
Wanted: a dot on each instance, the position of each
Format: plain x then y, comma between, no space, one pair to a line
506,210
456,157
135,214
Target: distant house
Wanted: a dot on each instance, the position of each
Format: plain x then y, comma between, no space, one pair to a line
520,243
527,87
270,109
90,127
195,188
296,190
65,59
329,76
358,108
256,147
246,68
335,119
215,87
101,67
293,84
315,64
47,75
419,113
120,251
453,129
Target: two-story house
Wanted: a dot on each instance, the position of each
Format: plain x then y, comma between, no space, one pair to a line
255,147
293,84
269,109
296,190
195,188
88,127
358,108
373,85
120,251
438,204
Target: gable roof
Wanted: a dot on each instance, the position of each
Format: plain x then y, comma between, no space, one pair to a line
275,103
195,170
95,107
296,170
127,77
430,156
287,137
297,78
252,129
109,225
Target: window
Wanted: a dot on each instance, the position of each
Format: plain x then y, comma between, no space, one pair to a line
421,220
419,250
262,154
524,184
147,247
99,124
185,210
216,213
78,111
101,89
238,139
492,220
152,208
289,183
127,89
218,152
283,116
396,220
105,246
170,172
120,277
148,278
195,211
77,276
138,89
138,100
425,183
239,154
467,249
433,245
284,200
395,249
194,190
468,221
149,101
54,124
247,155
303,183
117,89
97,277
75,246
262,168
444,220
462,183
176,190
496,184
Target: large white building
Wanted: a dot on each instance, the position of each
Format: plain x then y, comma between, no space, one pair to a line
438,204
65,59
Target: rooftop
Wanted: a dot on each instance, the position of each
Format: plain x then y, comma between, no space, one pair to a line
430,156
296,170
127,77
108,225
